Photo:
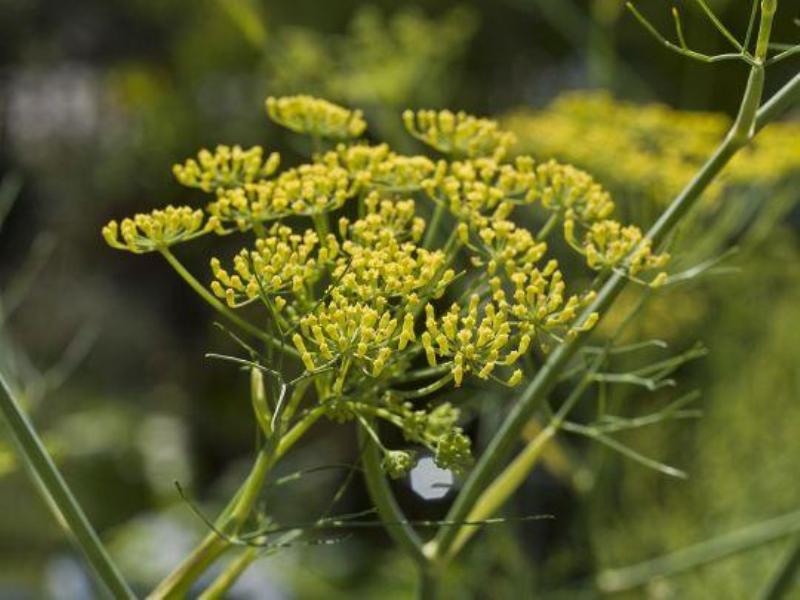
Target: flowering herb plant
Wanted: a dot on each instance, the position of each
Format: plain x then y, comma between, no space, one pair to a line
369,281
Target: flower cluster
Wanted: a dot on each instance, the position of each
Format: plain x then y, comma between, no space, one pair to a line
306,190
639,151
377,167
538,302
284,261
226,168
381,259
505,246
352,276
458,134
436,430
158,229
477,339
609,245
316,117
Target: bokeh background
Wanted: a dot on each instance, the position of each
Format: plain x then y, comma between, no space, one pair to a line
99,98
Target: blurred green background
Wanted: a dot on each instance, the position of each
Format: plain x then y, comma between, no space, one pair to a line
99,99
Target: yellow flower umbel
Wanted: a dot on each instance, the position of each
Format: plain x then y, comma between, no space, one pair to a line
458,134
610,245
346,271
283,261
377,167
540,304
316,117
381,259
306,190
226,168
477,341
158,229
505,246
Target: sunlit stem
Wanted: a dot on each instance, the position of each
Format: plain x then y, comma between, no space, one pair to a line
178,583
226,312
512,477
547,228
321,225
225,580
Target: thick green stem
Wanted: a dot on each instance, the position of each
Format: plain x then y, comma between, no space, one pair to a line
321,225
505,440
177,584
429,584
503,487
390,513
58,496
222,309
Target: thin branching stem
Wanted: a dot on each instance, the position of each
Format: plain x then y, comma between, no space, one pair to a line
720,27
221,308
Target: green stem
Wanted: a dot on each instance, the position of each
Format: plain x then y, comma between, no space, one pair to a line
388,510
742,540
548,226
505,440
58,496
433,226
782,581
221,308
177,584
321,225
502,487
429,585
230,574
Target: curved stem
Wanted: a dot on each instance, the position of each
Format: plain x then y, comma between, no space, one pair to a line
505,440
221,308
58,496
389,511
